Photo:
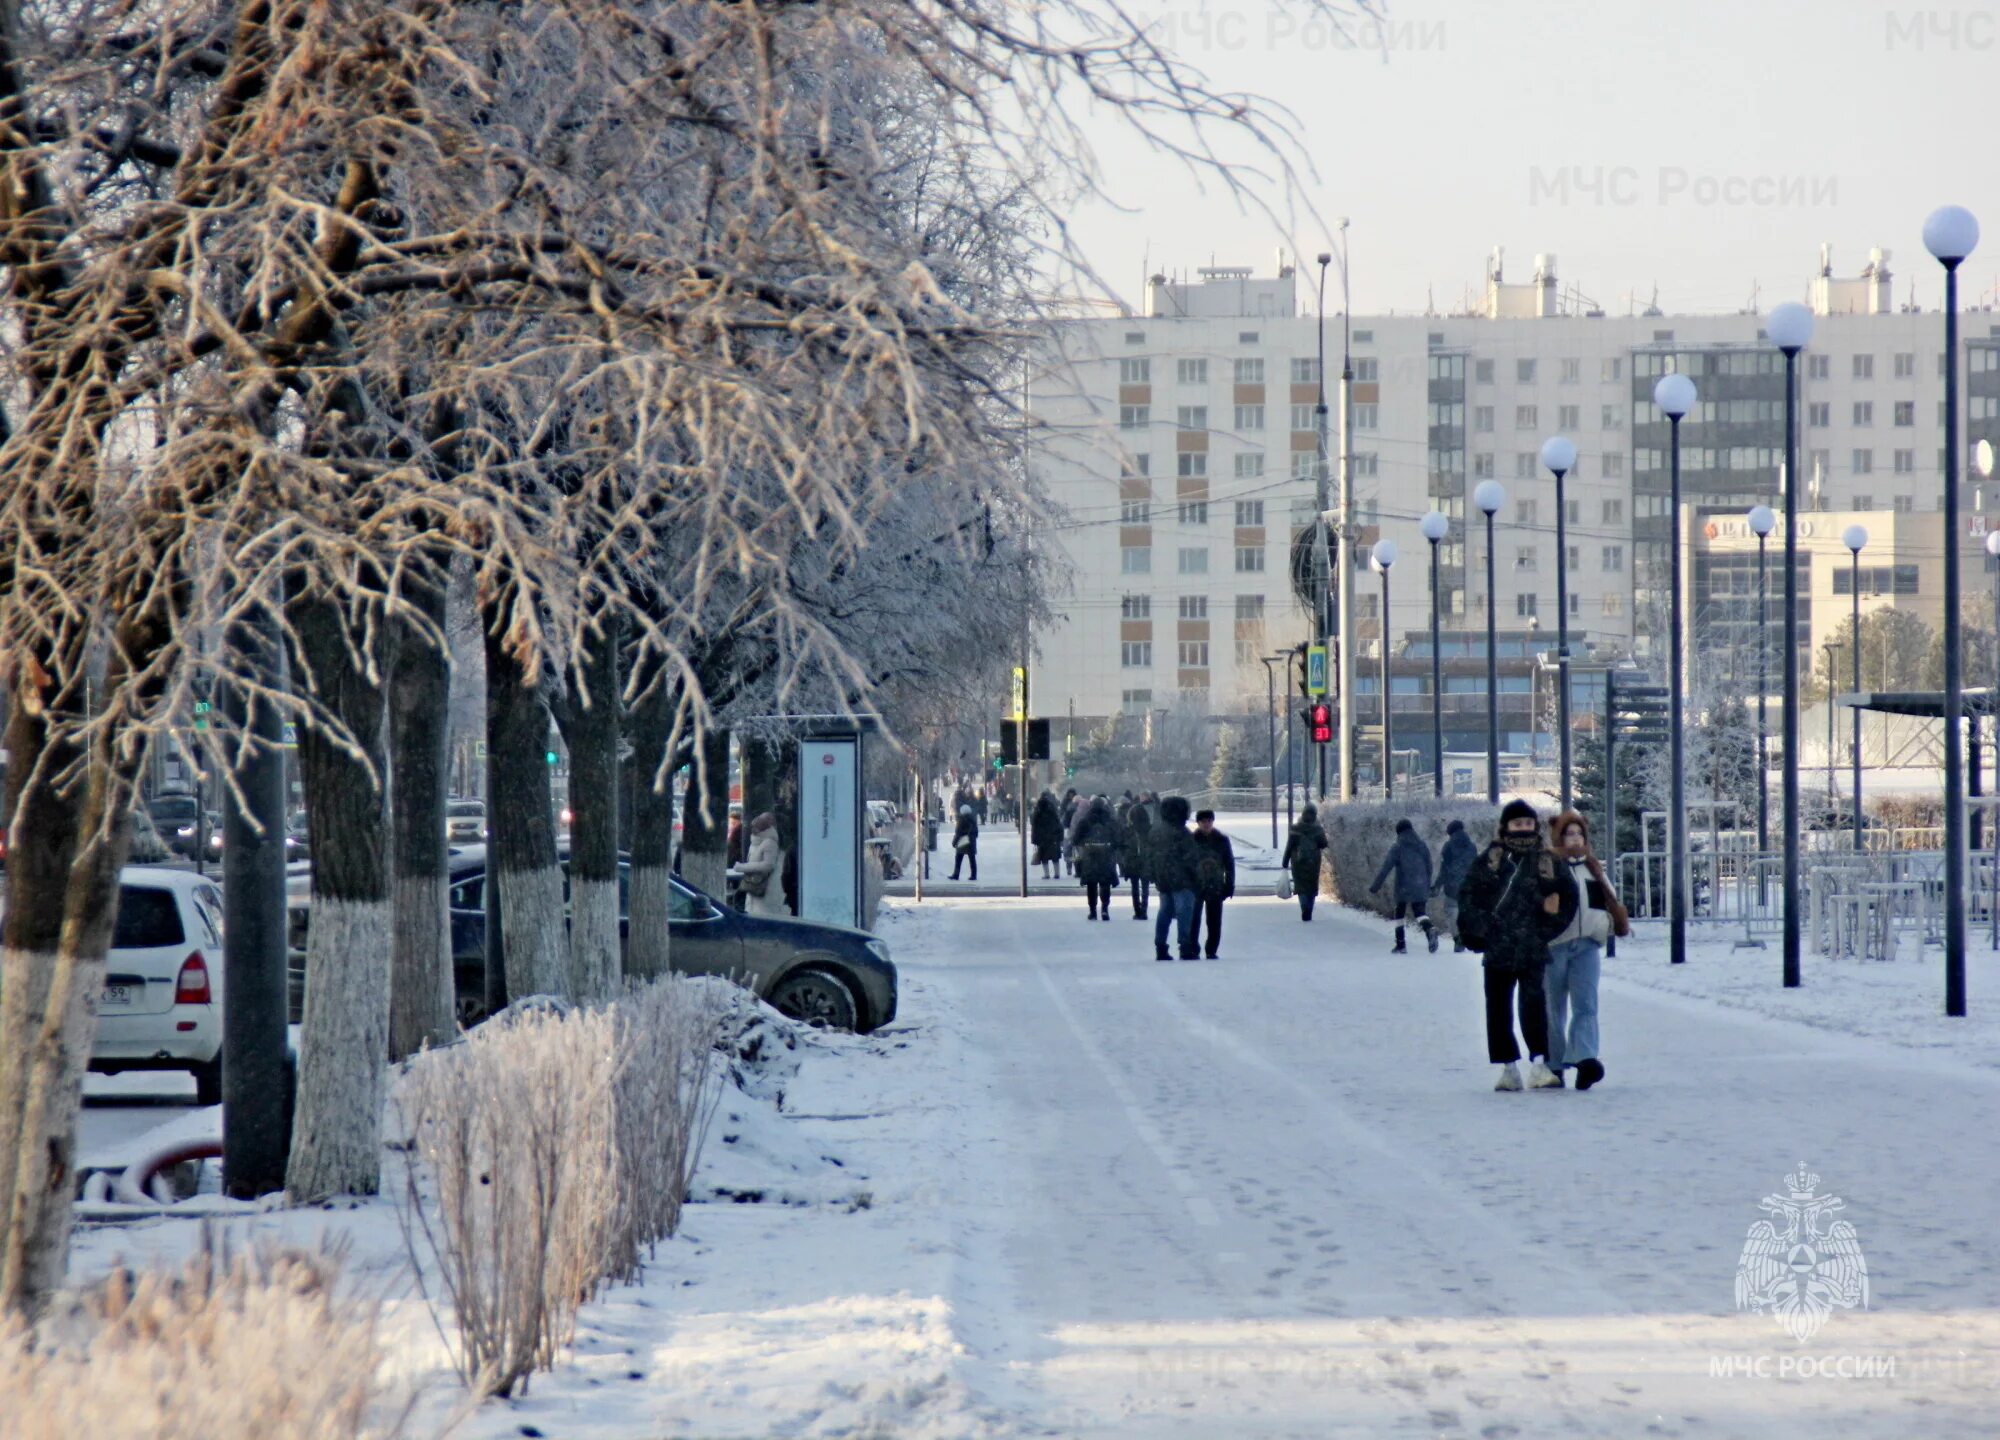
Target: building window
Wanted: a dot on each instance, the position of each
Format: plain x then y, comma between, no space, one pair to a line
1863,502
1365,462
1906,462
1194,560
1526,463
1134,512
1192,417
1249,371
1135,560
1572,371
1524,606
1819,414
1135,607
1305,464
1304,417
1573,511
1367,417
1136,702
1864,367
1906,366
1194,654
1192,464
1249,417
1613,560
1524,372
1611,417
1614,512
1569,417
1135,654
1614,368
1194,607
1135,372
1864,412
1134,417
1482,372
1192,512
1191,372
1903,504
1249,559
1367,370
1614,603
1482,467
1526,559
1249,512
1614,465
1250,466
1305,371
1482,419
1364,337
1247,337
1862,462
1905,579
1818,367
1906,413
1249,607
1527,417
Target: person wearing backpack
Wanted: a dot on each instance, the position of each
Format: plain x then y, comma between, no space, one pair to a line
1214,879
1514,901
1303,849
1577,953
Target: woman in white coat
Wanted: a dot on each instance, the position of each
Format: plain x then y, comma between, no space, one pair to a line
762,870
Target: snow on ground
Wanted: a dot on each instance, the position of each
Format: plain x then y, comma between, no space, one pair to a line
1073,1192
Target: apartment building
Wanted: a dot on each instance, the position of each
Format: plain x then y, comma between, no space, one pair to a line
1182,447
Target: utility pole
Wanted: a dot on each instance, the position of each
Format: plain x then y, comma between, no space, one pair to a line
1346,524
1021,711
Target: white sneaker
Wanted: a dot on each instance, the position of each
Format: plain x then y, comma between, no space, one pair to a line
1510,1077
1540,1077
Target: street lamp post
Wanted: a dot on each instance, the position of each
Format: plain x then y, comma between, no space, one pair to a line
1559,455
1762,522
1789,326
1271,713
1675,395
1993,699
1951,234
1435,527
1384,556
1322,560
1832,790
1854,537
1489,496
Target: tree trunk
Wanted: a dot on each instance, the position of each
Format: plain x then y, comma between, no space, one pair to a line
422,993
705,817
593,733
646,953
344,1042
521,859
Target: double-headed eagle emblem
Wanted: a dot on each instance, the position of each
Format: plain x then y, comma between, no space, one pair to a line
1802,1264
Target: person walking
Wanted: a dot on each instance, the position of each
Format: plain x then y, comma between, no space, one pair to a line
1072,807
1172,858
760,878
1138,840
1512,903
1095,841
1576,955
1409,860
1303,849
965,842
1215,879
1045,829
1454,861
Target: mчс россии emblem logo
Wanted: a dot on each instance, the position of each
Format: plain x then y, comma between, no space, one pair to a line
1802,1264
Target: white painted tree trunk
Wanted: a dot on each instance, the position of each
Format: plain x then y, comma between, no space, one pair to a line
49,1002
343,1045
531,919
594,965
648,949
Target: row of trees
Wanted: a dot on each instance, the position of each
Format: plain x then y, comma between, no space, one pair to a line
684,337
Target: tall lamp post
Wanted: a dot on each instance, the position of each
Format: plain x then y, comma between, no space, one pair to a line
1675,395
1951,234
1993,699
1489,496
1271,710
1322,561
1855,537
1762,521
1384,555
1559,456
1789,326
1435,527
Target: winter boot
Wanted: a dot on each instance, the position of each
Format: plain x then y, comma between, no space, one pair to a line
1430,934
1510,1077
1163,955
1399,948
1540,1077
1093,912
1588,1073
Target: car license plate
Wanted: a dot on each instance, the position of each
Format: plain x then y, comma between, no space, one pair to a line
117,996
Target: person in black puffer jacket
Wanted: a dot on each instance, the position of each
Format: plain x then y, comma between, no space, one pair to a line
1172,860
1095,842
1215,878
1514,901
1045,829
1138,839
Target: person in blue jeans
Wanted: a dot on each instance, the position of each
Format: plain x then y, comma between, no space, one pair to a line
1575,956
1173,860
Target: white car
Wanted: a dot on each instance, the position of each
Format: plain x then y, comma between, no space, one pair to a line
162,1003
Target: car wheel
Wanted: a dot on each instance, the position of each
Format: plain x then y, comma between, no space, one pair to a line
817,998
208,1082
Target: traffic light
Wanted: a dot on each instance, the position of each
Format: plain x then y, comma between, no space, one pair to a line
1321,716
1010,745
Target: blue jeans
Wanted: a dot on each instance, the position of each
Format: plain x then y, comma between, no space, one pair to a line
1571,981
1176,908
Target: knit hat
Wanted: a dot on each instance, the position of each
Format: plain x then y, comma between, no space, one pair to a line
1518,810
1404,827
1455,828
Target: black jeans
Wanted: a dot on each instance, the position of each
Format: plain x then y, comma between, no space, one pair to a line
1306,898
1502,988
1208,915
1099,892
970,857
1141,887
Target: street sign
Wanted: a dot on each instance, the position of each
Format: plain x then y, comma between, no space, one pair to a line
1020,692
1316,670
201,713
291,738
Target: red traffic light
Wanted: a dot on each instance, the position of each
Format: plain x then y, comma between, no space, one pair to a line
1322,723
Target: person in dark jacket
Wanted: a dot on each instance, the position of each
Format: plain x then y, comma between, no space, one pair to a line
1045,829
1095,842
1303,849
965,841
1409,860
1215,878
1514,901
1172,859
1132,858
1453,862
980,803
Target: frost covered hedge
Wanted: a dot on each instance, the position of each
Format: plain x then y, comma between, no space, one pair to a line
1359,837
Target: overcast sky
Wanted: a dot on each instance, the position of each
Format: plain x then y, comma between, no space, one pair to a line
1703,146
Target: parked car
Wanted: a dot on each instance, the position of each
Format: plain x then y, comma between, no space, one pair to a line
825,975
161,1008
177,816
465,820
